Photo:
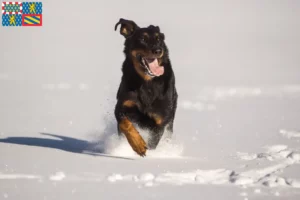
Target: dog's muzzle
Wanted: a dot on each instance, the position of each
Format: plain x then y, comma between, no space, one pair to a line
151,65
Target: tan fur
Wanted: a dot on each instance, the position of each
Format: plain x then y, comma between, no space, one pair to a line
129,103
139,69
124,31
133,137
157,118
146,34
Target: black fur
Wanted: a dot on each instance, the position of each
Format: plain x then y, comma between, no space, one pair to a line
158,95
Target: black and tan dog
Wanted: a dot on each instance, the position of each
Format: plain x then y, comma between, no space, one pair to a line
147,95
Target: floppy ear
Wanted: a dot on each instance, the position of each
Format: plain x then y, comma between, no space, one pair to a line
128,27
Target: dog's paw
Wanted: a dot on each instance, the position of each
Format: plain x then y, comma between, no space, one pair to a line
138,144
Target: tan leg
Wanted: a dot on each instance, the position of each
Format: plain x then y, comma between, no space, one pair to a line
134,138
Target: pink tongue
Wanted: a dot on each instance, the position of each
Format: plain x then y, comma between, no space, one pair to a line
155,68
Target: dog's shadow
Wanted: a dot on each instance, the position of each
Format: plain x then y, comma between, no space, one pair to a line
65,143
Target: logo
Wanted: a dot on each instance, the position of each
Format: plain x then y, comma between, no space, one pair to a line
12,20
11,8
32,20
22,13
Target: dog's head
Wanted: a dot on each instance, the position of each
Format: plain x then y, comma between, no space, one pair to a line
146,48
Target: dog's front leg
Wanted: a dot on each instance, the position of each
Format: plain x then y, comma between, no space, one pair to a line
125,111
133,137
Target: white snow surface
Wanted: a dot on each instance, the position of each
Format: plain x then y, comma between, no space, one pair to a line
236,131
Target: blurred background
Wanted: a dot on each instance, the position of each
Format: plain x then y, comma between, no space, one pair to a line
63,77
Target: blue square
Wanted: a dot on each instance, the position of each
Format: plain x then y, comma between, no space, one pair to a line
11,20
32,7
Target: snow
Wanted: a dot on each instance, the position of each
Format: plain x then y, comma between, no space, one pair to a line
57,176
255,177
290,134
17,176
236,131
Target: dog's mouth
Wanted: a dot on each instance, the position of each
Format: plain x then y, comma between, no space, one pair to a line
151,65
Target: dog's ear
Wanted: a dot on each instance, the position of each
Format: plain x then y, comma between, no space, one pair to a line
128,27
156,28
162,36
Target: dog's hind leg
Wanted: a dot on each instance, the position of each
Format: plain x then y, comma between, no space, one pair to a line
168,132
169,127
155,136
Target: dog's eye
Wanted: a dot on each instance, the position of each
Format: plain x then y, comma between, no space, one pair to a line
158,39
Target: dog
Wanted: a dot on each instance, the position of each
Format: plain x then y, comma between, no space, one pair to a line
147,96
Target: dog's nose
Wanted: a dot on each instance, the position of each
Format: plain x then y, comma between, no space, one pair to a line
157,51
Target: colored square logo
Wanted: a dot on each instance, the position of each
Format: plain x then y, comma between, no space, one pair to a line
11,8
32,20
22,13
11,20
32,7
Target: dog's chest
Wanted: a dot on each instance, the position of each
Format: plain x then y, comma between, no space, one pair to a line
148,94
